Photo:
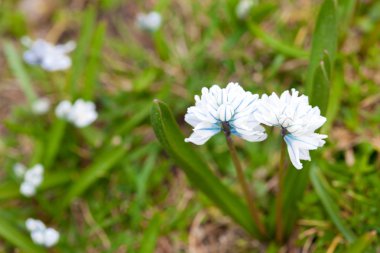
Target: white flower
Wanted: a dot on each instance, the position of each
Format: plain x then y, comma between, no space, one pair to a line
47,55
243,8
41,234
63,109
27,189
298,121
32,179
218,109
149,22
81,113
19,169
41,106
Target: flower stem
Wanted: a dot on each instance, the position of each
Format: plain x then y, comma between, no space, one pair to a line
279,196
247,193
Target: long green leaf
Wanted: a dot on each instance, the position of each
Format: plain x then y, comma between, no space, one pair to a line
18,70
79,55
324,40
10,233
362,243
197,171
55,134
277,45
94,62
151,234
329,204
99,168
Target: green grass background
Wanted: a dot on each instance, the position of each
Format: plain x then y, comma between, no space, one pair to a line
111,188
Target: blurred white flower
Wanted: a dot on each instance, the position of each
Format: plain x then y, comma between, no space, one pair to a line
229,109
81,113
243,8
41,234
50,57
63,109
298,121
19,169
32,179
149,22
41,106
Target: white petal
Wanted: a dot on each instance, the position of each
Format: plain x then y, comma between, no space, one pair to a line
225,112
19,169
33,224
51,237
27,189
293,151
202,133
38,237
63,109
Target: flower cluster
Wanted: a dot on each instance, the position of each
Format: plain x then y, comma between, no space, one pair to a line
41,234
46,55
149,22
81,113
32,178
240,113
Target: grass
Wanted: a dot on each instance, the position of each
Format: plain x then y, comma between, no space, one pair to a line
111,187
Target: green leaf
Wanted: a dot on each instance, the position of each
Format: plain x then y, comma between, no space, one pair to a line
362,243
98,169
17,67
324,41
94,62
197,171
79,55
319,184
277,45
54,141
13,235
149,240
321,84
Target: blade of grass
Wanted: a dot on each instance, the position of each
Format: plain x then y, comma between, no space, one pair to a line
149,240
92,70
329,204
324,41
79,55
18,70
197,171
97,169
277,45
362,243
54,141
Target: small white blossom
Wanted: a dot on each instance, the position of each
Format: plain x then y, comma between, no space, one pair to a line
27,189
19,169
63,109
243,8
32,179
41,234
149,22
230,107
298,121
41,106
81,113
48,56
